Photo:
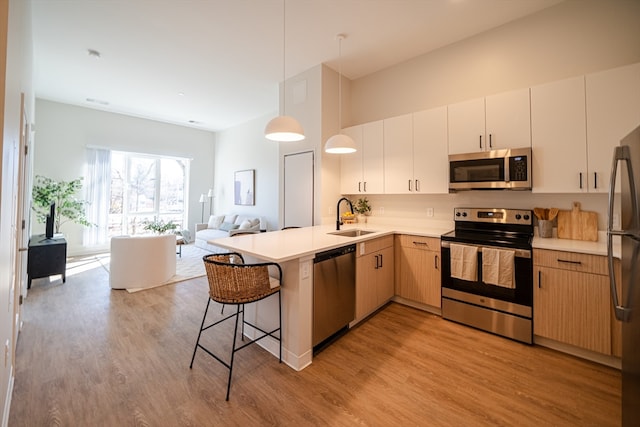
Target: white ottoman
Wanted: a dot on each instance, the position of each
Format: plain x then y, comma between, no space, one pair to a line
142,261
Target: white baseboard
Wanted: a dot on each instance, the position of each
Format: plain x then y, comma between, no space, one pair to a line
297,362
7,401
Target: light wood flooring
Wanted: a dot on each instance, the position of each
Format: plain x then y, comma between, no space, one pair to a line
90,356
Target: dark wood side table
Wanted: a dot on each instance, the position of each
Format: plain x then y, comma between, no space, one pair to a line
47,257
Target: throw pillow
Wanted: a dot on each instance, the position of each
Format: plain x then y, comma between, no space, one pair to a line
227,226
230,218
246,224
215,221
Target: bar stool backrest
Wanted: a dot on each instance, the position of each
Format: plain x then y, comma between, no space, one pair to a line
231,281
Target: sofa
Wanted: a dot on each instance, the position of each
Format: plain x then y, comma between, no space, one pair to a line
225,226
142,261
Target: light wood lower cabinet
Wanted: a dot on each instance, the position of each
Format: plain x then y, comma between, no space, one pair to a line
418,269
616,325
374,275
572,301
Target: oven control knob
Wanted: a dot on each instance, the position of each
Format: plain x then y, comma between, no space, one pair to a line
518,216
464,214
457,213
526,217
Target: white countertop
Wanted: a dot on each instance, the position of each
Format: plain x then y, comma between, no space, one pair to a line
285,245
585,247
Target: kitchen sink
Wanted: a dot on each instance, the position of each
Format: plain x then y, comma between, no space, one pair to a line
352,233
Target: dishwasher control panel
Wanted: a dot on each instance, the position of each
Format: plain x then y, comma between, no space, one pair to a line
332,253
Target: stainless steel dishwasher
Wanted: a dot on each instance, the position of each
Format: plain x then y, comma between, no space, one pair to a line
334,291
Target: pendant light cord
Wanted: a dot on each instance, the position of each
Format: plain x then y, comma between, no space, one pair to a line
339,84
284,55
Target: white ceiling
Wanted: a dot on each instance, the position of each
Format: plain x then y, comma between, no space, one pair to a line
226,56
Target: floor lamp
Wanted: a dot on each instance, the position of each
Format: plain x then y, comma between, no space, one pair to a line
210,196
202,200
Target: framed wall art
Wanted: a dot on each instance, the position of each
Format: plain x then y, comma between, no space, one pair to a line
243,187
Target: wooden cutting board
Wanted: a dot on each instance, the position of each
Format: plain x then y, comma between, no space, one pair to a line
578,225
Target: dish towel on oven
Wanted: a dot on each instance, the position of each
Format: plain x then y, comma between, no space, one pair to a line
464,262
497,267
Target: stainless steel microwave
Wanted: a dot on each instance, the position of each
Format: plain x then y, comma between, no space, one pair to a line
508,169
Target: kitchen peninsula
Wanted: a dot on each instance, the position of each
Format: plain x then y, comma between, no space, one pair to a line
294,249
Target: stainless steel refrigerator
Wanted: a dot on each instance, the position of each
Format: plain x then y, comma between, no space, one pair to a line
626,163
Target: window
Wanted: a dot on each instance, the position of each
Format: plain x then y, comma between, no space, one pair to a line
144,187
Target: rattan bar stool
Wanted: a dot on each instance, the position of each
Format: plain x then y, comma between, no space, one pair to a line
232,282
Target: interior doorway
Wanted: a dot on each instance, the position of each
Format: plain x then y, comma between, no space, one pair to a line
298,189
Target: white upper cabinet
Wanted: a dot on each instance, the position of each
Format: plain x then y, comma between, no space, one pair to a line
508,118
362,171
351,164
491,123
415,153
613,110
576,123
558,132
466,127
398,155
572,126
372,158
430,155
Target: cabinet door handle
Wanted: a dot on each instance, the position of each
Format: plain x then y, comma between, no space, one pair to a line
581,180
365,186
595,180
359,186
409,185
539,278
436,262
490,143
480,141
417,185
569,261
420,243
378,261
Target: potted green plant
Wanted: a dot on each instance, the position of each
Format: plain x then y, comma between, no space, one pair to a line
69,208
362,206
158,226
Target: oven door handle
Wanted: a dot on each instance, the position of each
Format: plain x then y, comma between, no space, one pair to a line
519,253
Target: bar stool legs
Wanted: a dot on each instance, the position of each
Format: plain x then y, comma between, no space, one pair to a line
238,312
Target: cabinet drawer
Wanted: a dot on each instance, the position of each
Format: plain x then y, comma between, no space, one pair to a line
419,242
571,261
374,245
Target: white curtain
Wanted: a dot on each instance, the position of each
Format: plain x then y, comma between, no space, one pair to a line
97,185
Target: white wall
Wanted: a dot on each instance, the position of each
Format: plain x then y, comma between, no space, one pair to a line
573,38
64,131
312,112
15,77
245,147
311,97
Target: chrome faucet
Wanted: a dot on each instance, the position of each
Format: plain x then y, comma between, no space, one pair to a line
338,220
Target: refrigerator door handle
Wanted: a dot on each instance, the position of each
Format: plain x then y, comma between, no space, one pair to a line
621,153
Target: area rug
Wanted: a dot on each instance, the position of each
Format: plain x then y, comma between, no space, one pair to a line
188,266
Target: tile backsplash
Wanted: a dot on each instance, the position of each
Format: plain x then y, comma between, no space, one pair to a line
417,208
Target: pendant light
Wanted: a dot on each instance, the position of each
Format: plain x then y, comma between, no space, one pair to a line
284,128
340,143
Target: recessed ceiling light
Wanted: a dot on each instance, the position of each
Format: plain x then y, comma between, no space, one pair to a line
194,122
93,53
180,93
97,101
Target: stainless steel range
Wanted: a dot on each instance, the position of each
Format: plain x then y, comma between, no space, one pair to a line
487,271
